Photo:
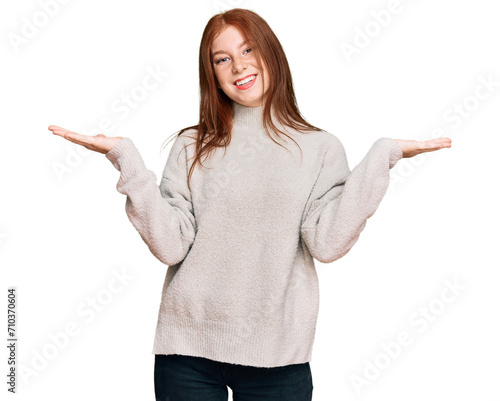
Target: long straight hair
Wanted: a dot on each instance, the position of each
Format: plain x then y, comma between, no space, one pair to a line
216,108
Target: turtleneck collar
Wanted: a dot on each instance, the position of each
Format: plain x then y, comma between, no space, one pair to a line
250,117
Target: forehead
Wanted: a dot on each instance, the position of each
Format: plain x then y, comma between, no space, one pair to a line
228,39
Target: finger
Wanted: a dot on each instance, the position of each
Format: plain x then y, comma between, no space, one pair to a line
78,137
69,134
84,140
89,145
55,126
61,131
438,140
65,133
446,142
52,127
57,130
440,143
432,145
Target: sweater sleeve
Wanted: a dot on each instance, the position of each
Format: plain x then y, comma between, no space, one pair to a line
163,215
341,200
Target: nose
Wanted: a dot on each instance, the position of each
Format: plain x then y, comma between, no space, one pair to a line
239,65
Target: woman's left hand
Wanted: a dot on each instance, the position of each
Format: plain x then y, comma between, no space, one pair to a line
412,148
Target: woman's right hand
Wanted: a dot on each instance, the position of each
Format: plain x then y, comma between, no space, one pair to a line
99,143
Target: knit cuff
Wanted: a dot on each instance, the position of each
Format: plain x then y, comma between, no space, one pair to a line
126,158
391,146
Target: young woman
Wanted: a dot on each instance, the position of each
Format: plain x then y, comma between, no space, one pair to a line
240,228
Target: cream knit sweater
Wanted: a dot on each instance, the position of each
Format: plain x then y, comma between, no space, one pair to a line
241,286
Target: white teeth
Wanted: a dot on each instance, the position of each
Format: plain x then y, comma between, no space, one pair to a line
245,81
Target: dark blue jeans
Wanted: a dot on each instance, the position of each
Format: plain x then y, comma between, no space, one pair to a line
192,378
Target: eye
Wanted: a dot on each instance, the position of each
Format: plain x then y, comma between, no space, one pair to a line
220,60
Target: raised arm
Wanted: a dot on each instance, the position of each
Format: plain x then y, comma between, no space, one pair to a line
163,215
342,200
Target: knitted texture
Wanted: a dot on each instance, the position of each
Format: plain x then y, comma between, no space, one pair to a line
241,285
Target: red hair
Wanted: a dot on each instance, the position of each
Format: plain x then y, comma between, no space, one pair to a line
216,108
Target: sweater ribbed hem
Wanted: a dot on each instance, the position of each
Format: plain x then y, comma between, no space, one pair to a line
236,343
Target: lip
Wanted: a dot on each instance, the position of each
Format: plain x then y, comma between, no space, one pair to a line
248,85
243,78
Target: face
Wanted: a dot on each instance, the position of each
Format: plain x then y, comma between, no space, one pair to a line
234,61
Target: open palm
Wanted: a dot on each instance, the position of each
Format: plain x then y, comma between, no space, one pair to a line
99,143
412,148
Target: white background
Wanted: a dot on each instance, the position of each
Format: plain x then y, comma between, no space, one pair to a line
63,235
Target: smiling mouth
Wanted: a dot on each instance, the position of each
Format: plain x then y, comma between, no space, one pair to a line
244,81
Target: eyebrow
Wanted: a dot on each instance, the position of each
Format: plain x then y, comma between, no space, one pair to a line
223,51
